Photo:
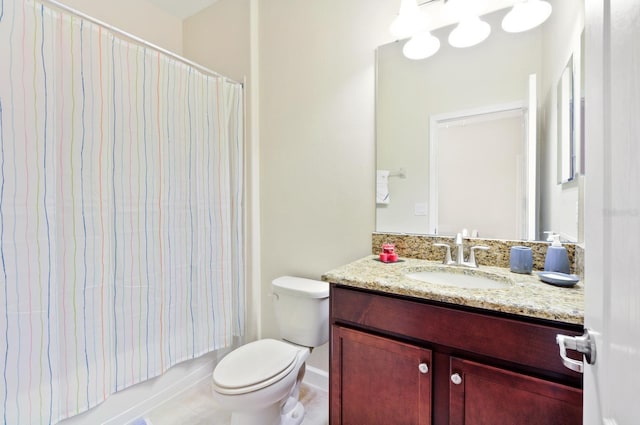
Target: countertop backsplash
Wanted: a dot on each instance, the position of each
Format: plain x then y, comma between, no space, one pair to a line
421,247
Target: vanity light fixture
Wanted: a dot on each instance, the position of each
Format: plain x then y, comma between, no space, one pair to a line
421,46
413,23
526,15
469,32
457,9
410,20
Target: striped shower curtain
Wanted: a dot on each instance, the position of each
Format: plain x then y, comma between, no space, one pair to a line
120,213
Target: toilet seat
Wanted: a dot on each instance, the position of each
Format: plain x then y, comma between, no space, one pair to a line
254,366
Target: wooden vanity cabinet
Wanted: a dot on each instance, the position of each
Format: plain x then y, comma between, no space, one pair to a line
379,375
400,360
489,395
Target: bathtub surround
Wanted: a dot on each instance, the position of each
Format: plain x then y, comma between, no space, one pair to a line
120,210
422,247
138,400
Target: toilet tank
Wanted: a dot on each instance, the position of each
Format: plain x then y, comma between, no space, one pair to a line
302,310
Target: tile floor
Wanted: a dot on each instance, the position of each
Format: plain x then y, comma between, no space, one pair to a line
195,406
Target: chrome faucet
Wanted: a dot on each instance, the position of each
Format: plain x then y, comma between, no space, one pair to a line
459,261
459,250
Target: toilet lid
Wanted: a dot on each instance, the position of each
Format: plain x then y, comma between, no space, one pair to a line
254,366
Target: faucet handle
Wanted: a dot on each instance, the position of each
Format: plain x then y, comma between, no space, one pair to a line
472,254
447,256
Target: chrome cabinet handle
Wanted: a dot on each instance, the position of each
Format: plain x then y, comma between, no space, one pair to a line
423,368
456,379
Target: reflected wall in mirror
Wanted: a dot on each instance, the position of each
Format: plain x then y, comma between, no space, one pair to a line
495,72
456,142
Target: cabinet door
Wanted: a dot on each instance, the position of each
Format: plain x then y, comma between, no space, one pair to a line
377,380
482,394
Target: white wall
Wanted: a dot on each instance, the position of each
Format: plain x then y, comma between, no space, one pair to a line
314,63
317,139
138,17
219,38
484,195
561,204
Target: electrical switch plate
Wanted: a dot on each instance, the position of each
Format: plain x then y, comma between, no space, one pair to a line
420,208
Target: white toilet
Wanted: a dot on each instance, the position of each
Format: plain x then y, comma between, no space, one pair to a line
260,382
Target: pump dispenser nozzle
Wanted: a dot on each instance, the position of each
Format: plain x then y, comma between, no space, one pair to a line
556,240
557,259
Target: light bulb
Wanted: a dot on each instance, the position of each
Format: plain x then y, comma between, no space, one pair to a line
421,46
410,20
469,32
526,15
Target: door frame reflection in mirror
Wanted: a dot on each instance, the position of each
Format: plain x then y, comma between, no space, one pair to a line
566,124
524,180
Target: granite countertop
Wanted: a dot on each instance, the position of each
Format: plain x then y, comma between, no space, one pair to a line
523,294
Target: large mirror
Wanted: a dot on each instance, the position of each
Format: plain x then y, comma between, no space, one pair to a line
496,182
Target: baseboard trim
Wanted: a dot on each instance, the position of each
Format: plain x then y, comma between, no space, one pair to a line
316,378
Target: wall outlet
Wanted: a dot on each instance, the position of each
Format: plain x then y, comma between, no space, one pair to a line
420,208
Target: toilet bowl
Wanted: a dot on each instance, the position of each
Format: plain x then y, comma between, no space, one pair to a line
258,393
259,382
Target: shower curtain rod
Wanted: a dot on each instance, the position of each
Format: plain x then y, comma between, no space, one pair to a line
139,40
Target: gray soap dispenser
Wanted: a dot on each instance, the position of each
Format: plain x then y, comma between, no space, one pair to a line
557,259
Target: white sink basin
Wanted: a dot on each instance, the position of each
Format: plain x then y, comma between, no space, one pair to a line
469,281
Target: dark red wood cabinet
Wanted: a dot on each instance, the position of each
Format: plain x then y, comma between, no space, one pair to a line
375,373
400,360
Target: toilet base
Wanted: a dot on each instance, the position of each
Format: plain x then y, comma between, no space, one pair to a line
292,412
